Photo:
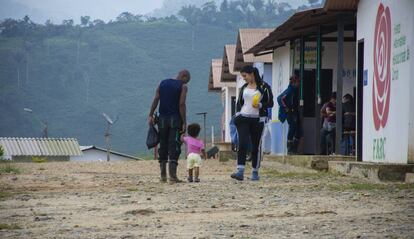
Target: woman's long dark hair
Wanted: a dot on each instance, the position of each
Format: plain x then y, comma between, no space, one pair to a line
255,71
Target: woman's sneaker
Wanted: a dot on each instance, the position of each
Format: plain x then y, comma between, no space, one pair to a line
239,175
197,180
255,176
190,179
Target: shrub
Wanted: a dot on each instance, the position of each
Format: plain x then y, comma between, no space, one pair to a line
39,160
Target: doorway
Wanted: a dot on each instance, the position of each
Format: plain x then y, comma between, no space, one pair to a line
310,116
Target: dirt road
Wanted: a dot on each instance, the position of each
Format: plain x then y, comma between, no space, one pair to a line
126,200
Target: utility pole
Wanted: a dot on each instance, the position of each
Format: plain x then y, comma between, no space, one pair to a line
44,124
108,145
204,114
108,135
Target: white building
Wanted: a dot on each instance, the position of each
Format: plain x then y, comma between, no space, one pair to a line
364,50
49,149
228,79
93,153
215,86
385,38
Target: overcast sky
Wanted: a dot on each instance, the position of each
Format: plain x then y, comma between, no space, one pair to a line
57,10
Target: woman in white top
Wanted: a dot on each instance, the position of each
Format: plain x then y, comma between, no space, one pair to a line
254,102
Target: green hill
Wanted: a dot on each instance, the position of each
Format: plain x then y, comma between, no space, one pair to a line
71,77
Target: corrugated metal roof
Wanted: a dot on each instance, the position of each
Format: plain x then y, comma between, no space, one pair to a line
40,147
227,72
246,39
84,148
302,23
214,83
341,5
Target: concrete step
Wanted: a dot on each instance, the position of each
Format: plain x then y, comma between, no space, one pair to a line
409,177
375,172
317,162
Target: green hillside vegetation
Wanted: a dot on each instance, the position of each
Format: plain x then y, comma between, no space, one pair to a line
69,74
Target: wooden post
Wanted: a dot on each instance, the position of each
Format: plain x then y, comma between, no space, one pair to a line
302,72
339,84
318,90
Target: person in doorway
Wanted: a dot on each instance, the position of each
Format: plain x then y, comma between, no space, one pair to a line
348,110
195,151
171,96
349,124
289,111
328,113
254,99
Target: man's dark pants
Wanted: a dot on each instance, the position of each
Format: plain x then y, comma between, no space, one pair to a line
327,139
295,131
170,144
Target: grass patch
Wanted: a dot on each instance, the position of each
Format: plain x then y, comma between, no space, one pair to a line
6,168
145,156
371,187
5,195
272,173
132,189
359,187
405,186
4,226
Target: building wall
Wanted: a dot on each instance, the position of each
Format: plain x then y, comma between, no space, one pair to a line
239,84
330,61
282,65
97,155
281,70
411,103
387,132
267,76
228,93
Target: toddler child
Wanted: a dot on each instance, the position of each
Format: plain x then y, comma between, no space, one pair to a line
195,150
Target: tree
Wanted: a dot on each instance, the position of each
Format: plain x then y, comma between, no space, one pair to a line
152,19
270,7
314,2
283,7
258,4
98,22
125,17
68,23
18,57
27,47
244,5
27,20
85,20
191,14
209,12
139,18
224,7
1,152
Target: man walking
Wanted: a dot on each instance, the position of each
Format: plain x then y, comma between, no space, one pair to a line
171,95
289,110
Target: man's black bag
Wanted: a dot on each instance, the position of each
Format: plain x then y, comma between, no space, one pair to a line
153,137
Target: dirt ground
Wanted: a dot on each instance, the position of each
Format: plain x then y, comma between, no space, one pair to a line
126,200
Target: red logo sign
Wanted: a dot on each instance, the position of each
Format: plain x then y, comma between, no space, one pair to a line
381,87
